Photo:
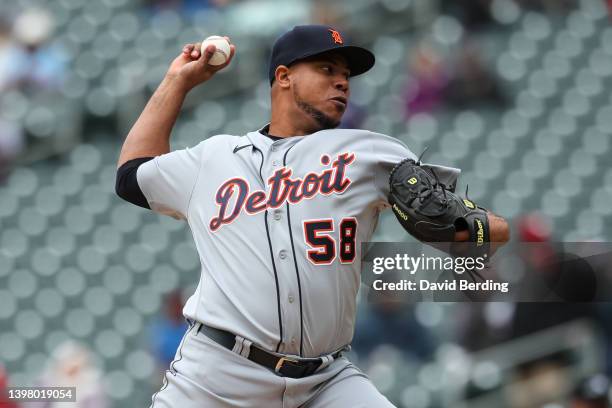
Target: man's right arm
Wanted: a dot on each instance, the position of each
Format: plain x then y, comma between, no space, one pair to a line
150,135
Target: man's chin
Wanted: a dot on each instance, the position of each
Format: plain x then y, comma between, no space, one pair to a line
330,121
328,124
321,118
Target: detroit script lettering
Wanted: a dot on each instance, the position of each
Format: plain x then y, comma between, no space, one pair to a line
283,188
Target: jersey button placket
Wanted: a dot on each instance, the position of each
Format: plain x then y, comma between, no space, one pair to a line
280,236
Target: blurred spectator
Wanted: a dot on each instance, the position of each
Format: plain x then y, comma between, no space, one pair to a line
541,256
532,317
592,393
29,64
324,12
386,318
5,31
353,117
473,14
479,326
534,227
11,134
11,145
184,6
540,382
472,83
4,383
548,6
27,61
71,365
160,5
167,331
427,80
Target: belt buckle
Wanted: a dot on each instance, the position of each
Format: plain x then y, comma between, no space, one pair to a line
281,361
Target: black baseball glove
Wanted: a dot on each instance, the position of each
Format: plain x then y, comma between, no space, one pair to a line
431,212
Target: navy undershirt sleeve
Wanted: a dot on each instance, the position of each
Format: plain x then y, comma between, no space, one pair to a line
126,184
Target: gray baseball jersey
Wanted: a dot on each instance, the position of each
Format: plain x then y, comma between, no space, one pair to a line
278,227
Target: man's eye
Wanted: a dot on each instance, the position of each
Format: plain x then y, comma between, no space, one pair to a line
327,68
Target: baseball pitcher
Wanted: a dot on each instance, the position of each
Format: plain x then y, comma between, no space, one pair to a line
278,216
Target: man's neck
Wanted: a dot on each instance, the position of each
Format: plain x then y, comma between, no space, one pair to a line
266,131
282,127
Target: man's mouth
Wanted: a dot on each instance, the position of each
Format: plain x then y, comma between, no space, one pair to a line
340,100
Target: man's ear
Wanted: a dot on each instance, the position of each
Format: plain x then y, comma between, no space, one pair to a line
282,76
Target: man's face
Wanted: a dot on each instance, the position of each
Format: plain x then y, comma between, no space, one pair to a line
320,87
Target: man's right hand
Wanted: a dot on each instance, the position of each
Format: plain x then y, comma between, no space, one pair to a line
191,67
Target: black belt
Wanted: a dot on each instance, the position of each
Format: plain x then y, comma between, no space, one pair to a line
284,366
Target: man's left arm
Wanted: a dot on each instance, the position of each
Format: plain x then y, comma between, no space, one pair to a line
499,232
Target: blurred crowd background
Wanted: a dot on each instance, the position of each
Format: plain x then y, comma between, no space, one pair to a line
511,91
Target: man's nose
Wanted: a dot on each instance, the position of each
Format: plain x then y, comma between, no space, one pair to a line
342,84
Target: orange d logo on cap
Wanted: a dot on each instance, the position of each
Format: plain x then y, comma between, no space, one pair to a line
336,36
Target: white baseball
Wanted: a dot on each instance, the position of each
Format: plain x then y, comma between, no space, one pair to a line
222,51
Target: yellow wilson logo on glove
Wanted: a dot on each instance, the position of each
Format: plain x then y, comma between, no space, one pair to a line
469,204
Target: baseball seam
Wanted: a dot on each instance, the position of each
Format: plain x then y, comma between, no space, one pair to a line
222,52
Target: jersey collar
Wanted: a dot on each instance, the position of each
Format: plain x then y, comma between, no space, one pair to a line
261,141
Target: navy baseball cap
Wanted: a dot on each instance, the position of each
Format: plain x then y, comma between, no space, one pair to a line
309,40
